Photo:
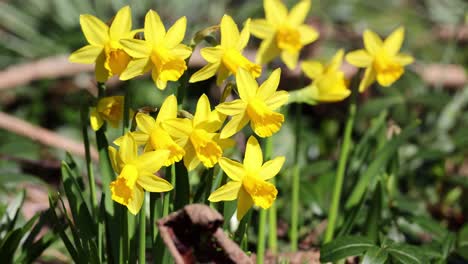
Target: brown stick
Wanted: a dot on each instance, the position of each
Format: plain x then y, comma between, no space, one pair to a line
43,136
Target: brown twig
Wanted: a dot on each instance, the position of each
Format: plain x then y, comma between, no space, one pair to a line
43,136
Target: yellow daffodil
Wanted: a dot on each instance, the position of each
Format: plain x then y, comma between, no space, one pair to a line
154,136
329,83
108,109
283,33
256,104
104,47
136,173
380,58
198,135
249,180
227,57
161,51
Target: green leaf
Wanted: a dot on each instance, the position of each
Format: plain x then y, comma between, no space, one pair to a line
382,157
343,247
375,255
407,254
182,187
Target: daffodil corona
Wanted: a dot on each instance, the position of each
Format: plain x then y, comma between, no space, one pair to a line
329,83
380,58
161,51
256,104
227,57
249,180
136,173
108,109
104,48
283,33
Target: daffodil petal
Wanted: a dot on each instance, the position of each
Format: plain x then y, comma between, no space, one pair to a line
95,31
253,158
275,11
246,85
299,12
227,192
372,42
128,148
191,160
176,33
178,127
181,51
393,42
154,28
308,34
244,36
359,58
152,161
168,109
271,168
234,125
212,54
122,23
336,61
140,137
95,119
136,202
202,111
290,59
404,59
223,73
233,169
229,32
86,55
136,48
145,122
312,69
152,183
100,71
267,51
244,203
268,87
262,29
277,100
115,162
205,73
232,108
136,67
367,80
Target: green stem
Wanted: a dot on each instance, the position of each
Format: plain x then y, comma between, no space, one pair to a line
126,112
296,182
89,164
272,235
261,236
142,235
335,203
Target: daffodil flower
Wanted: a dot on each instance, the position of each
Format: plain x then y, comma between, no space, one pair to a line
227,58
249,180
329,83
380,58
104,48
136,173
283,33
161,51
108,109
151,133
256,104
198,135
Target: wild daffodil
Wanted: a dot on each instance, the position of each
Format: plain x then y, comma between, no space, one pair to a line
282,32
161,51
227,58
199,136
256,104
104,48
154,136
249,183
329,83
136,173
380,58
108,109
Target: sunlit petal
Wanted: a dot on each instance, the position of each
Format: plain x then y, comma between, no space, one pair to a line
227,192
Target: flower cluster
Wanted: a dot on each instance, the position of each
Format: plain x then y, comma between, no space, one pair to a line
202,138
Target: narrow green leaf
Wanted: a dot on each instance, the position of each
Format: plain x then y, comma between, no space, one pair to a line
407,254
375,255
182,187
343,247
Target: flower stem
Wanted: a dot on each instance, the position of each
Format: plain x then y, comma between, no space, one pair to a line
89,164
272,235
261,236
335,203
296,182
142,235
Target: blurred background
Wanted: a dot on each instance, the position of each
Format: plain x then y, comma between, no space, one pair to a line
41,95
